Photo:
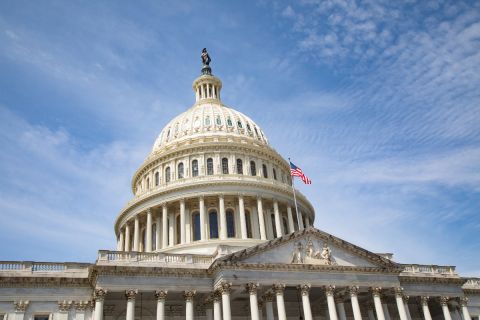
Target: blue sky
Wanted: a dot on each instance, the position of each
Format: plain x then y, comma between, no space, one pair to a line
377,101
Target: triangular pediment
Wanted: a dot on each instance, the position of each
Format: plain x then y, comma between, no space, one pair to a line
309,247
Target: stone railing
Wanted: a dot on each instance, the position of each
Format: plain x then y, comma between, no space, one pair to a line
153,259
28,267
421,269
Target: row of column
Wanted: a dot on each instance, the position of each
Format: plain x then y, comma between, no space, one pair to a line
218,303
162,225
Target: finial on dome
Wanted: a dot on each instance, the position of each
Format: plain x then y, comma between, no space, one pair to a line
206,62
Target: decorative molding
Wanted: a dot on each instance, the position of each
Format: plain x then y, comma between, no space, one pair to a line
304,289
216,296
189,295
398,292
268,296
130,294
82,306
43,282
64,306
278,288
252,288
21,305
463,301
444,300
225,287
376,291
353,290
161,294
99,294
330,290
424,300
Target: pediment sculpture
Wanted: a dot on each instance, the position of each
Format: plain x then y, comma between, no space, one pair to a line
307,253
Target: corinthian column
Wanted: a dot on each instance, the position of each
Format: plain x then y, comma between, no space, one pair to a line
182,222
136,234
161,295
376,292
332,312
400,305
223,218
446,311
127,237
130,295
148,232
357,315
225,291
291,226
201,205
99,296
340,307
252,289
261,219
463,305
279,288
278,224
121,241
268,297
426,311
217,308
243,222
164,226
305,291
188,295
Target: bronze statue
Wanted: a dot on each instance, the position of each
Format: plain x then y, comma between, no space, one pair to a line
205,57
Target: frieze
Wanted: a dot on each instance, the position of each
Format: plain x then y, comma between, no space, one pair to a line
41,282
308,254
64,306
150,271
21,305
430,279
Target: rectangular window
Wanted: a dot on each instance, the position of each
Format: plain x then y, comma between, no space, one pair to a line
41,317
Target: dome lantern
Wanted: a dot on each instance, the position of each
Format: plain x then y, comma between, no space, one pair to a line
207,86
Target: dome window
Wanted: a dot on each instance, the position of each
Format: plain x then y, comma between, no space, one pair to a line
148,183
196,226
180,171
167,174
248,221
274,174
229,122
176,127
230,224
248,127
239,124
209,166
253,168
274,227
168,133
213,224
207,121
225,166
218,121
196,123
157,178
195,168
265,172
256,132
239,166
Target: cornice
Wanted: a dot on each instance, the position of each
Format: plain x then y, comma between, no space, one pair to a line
149,271
37,282
430,279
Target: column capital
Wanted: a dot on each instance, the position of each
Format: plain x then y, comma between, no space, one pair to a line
398,292
82,305
405,298
330,290
279,288
260,303
424,300
149,210
216,296
268,296
376,291
21,305
252,287
99,294
225,287
189,294
463,301
130,294
353,290
444,300
304,289
339,298
64,306
161,294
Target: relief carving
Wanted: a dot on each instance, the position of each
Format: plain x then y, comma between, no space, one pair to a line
310,255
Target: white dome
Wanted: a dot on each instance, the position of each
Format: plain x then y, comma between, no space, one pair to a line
208,119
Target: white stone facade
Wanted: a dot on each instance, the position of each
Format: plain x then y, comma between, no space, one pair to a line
213,233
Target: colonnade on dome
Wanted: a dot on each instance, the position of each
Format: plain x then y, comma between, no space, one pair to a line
218,218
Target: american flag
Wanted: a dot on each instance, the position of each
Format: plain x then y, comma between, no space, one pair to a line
297,172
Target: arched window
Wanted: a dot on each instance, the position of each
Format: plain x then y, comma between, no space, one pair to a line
253,168
230,224
167,174
144,241
154,237
218,121
274,174
225,166
157,178
207,120
239,124
265,172
248,222
229,122
213,224
285,225
196,226
180,170
195,168
177,229
239,166
148,183
210,166
274,227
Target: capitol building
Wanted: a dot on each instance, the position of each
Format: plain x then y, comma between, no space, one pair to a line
214,231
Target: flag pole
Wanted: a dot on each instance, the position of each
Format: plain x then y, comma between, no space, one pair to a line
294,195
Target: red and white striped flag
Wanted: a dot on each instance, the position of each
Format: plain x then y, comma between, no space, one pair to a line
297,172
